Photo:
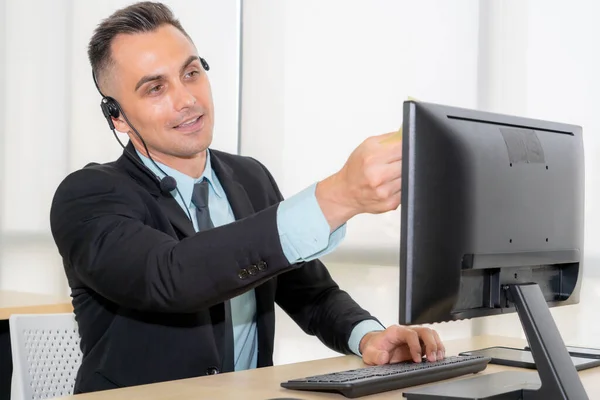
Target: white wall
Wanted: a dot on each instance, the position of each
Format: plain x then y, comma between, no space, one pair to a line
321,76
53,124
35,137
36,120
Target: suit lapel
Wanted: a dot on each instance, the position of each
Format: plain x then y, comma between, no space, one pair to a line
134,167
179,218
238,199
236,194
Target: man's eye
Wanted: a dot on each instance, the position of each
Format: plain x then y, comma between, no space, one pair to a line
155,89
192,73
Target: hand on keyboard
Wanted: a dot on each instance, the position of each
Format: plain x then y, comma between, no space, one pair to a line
401,343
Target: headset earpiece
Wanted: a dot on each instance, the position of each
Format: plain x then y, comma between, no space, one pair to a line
204,64
110,109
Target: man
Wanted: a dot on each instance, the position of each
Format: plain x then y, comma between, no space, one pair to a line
177,254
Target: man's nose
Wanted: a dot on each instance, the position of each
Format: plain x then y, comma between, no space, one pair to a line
183,98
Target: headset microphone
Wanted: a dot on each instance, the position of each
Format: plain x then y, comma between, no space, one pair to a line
168,184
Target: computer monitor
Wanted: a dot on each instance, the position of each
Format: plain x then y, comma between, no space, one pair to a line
493,223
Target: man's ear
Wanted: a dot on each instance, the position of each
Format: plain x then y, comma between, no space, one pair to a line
121,125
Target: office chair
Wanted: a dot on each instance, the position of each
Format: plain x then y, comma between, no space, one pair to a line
46,355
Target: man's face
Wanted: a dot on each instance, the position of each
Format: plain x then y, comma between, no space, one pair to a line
159,82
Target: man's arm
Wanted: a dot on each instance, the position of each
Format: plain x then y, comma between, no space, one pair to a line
98,224
305,236
310,296
303,230
97,221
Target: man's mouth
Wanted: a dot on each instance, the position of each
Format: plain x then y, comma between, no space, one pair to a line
188,122
191,124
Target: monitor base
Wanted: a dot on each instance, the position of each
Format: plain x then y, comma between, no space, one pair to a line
557,377
509,385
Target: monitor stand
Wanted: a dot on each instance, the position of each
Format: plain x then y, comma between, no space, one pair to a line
556,376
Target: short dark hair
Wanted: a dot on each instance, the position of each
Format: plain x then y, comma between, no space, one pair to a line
145,16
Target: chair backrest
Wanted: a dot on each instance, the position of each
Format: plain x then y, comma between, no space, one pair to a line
46,355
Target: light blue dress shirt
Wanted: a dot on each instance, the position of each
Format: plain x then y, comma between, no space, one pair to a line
304,234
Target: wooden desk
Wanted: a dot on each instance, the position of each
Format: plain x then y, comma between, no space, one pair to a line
263,384
32,303
12,302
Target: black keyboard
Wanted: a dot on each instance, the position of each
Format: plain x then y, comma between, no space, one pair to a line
381,378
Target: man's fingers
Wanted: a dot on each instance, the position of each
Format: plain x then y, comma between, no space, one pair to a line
440,346
400,354
388,147
402,335
393,152
429,340
373,356
390,188
383,357
392,171
396,186
400,343
377,357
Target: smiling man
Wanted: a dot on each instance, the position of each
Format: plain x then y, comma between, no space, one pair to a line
176,253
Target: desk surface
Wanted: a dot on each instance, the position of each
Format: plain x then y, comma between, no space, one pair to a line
263,383
31,303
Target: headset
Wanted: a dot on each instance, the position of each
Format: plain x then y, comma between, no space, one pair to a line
112,109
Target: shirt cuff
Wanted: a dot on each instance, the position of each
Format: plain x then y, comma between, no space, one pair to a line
360,331
304,230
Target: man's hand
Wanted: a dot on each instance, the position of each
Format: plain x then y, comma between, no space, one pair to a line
369,182
400,343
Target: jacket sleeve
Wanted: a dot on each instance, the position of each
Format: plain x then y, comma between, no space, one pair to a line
311,297
97,222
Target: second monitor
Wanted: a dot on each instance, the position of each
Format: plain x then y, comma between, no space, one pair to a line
492,223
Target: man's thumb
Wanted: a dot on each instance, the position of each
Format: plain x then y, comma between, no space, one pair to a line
383,357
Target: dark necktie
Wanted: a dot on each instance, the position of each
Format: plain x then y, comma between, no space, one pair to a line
200,200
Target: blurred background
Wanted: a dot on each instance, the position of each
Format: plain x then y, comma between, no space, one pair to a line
299,84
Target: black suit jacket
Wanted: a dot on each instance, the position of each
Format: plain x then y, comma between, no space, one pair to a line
148,291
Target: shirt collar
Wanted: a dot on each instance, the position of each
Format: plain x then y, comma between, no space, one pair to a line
185,183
